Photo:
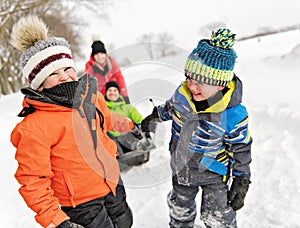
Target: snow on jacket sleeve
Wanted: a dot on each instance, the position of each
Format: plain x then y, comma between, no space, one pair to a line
34,174
113,121
165,111
239,141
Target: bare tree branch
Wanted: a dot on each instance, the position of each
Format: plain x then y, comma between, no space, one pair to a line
268,32
60,17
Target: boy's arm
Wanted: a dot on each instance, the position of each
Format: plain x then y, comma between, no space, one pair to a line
134,114
238,141
34,174
242,159
113,121
165,111
239,147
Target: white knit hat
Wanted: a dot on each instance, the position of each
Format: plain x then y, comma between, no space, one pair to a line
41,55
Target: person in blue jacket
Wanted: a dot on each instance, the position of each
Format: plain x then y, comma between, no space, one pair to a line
210,141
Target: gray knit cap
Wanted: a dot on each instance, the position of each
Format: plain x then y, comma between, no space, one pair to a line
41,55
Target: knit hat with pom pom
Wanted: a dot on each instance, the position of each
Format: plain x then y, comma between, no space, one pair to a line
212,61
41,55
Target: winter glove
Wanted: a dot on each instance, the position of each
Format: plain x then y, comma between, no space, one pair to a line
69,224
238,191
127,101
136,132
149,123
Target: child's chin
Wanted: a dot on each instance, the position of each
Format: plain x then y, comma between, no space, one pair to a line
198,97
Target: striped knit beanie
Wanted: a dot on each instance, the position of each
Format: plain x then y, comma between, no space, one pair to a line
212,61
41,55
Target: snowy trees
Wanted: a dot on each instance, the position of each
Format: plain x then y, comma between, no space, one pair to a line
60,17
158,45
10,78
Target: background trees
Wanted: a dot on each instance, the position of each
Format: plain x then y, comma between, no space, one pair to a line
57,13
63,19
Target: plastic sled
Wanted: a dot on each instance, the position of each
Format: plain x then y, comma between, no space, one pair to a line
133,151
133,158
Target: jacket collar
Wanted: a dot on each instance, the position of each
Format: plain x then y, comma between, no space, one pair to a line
61,97
232,97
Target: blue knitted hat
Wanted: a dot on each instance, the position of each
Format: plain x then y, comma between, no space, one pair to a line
212,61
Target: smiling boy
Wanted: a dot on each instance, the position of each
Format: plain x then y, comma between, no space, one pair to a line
67,165
210,139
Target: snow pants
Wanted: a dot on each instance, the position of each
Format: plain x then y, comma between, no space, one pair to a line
109,212
215,210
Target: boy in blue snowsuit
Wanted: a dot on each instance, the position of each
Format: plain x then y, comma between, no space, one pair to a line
210,138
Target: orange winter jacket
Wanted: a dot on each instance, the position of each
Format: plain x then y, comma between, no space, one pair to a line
58,162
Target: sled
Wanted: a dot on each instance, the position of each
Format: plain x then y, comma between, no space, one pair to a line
133,151
133,158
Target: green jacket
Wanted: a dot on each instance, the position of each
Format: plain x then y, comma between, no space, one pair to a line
126,110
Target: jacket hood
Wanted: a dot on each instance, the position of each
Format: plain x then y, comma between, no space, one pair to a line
236,97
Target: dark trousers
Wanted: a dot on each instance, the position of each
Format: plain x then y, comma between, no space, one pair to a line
105,212
215,210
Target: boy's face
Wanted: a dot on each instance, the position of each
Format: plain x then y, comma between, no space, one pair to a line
112,94
202,92
65,74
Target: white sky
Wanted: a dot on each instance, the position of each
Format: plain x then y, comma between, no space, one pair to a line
183,19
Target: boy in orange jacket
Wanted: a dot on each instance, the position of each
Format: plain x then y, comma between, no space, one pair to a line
67,165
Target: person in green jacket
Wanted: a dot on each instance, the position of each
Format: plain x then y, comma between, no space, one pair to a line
116,103
133,147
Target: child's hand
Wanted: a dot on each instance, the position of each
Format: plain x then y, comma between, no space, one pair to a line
238,191
136,132
149,123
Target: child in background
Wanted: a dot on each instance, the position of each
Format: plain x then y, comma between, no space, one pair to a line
133,147
116,103
210,138
67,165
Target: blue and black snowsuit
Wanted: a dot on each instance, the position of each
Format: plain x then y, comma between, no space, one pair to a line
205,147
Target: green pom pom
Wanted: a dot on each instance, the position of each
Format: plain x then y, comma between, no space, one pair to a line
222,38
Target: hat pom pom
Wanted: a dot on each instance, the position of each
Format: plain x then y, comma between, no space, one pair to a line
27,31
222,38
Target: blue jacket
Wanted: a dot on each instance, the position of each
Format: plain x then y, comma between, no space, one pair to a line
214,139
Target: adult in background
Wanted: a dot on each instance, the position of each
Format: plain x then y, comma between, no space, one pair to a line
105,69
